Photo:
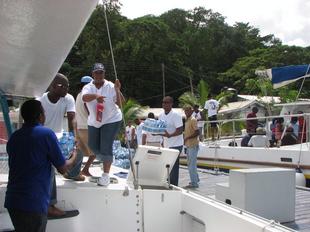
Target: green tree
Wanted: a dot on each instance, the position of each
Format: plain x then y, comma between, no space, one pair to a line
242,75
196,44
130,109
198,98
187,99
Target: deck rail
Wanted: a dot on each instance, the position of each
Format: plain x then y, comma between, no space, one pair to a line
262,121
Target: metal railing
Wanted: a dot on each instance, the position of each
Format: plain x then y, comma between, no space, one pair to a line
262,122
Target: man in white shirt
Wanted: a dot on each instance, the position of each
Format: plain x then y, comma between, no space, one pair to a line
139,125
200,121
130,134
82,127
259,139
150,139
173,137
56,103
212,106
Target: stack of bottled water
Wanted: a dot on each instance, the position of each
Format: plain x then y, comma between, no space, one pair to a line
121,155
154,126
67,143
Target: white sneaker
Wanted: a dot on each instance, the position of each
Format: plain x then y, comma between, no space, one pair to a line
104,180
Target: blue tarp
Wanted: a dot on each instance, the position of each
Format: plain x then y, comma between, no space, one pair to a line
288,73
281,76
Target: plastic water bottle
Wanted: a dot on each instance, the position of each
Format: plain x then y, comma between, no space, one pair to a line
67,143
63,144
70,143
99,111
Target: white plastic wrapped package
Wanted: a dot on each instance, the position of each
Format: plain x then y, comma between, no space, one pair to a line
154,126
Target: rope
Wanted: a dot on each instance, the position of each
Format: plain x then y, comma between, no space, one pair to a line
301,142
303,81
121,105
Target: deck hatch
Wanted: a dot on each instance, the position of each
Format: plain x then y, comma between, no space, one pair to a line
154,152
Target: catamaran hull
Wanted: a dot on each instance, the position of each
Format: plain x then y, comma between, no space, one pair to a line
226,158
121,208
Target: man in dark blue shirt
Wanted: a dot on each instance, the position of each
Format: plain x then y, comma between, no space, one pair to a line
32,151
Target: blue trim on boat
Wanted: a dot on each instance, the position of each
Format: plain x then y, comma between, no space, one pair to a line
287,73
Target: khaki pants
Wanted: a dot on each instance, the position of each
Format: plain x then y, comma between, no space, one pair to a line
82,139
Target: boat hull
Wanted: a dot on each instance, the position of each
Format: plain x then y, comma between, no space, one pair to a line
226,158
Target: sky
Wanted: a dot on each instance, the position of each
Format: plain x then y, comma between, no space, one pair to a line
288,20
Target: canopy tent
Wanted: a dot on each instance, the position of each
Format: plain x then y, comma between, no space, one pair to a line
281,76
35,39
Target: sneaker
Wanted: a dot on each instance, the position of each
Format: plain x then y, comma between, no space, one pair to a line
104,180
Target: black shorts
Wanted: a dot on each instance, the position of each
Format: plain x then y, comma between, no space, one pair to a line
213,118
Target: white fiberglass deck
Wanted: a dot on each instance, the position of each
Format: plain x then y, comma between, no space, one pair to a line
119,207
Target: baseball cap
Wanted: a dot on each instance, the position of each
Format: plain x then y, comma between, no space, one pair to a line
86,79
98,67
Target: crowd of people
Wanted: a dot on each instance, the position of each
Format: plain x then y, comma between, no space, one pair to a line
281,133
95,118
34,149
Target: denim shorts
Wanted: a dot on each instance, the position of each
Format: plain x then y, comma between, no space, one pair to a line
100,140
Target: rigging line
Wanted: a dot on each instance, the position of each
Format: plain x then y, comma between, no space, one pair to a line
135,182
160,95
303,81
179,81
195,73
302,84
110,43
181,74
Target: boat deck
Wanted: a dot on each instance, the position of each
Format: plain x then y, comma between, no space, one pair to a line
208,180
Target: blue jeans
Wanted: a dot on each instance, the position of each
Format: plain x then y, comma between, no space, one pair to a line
75,170
100,140
53,197
191,153
174,174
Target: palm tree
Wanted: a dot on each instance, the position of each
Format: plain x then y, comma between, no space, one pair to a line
203,92
187,98
130,109
200,98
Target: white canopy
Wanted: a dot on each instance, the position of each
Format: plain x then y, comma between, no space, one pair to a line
35,39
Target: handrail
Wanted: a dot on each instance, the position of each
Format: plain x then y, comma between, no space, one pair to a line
287,118
258,118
